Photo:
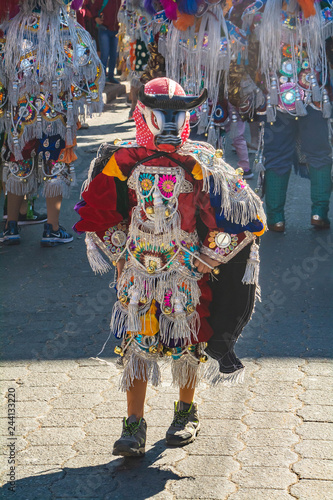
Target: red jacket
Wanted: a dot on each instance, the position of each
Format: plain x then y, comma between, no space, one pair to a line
109,14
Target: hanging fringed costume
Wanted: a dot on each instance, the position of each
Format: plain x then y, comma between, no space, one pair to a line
49,70
291,44
148,205
194,44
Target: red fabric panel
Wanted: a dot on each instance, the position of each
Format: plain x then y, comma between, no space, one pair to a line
101,193
206,330
126,158
188,204
207,212
100,211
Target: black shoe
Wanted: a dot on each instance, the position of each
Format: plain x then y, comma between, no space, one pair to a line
52,238
185,425
33,218
248,174
112,80
10,236
133,438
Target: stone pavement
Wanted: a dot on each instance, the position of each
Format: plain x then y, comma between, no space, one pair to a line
268,439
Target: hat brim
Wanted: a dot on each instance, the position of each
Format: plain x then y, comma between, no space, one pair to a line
177,102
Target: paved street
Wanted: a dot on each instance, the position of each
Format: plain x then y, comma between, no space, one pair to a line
268,439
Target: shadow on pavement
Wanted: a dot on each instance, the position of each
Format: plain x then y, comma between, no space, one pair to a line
120,479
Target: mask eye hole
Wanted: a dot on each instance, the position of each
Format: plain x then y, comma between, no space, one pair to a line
156,120
180,119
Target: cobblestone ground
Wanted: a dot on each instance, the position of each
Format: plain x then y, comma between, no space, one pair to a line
268,439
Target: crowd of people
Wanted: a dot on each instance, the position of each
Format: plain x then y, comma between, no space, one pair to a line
166,210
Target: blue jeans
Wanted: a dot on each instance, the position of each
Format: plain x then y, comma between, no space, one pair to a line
280,141
108,43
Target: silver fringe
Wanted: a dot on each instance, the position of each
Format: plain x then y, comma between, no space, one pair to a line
213,375
186,371
251,275
21,187
238,205
139,366
97,263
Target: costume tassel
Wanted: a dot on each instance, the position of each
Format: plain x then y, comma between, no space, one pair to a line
270,114
88,103
178,327
174,328
258,164
316,94
251,275
260,184
96,261
159,210
15,93
134,324
212,136
70,114
39,127
274,92
69,135
118,323
299,105
54,93
17,150
8,118
5,171
233,126
203,121
327,107
155,374
260,99
72,176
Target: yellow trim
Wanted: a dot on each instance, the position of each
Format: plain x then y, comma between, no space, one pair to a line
112,170
260,233
197,172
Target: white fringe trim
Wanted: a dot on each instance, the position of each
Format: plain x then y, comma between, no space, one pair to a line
186,372
138,367
239,205
97,263
56,187
213,375
21,187
251,275
119,320
179,327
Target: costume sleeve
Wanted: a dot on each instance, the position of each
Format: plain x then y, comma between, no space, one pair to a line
104,215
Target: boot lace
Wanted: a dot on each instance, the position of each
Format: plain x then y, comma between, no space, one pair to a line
131,429
181,417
